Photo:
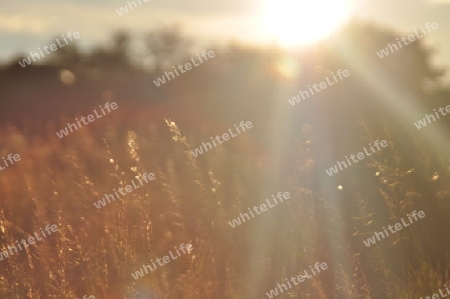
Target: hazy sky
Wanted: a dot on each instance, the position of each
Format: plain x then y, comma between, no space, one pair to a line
26,25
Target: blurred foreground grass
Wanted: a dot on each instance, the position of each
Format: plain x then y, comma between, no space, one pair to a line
192,200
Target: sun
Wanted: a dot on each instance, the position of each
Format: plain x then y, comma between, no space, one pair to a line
294,23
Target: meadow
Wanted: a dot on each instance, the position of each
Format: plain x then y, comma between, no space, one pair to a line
192,199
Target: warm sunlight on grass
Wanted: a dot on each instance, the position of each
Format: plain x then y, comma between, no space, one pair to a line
302,22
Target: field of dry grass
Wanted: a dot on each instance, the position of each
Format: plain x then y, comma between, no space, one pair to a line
192,200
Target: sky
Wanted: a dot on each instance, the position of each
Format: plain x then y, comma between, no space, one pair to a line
26,25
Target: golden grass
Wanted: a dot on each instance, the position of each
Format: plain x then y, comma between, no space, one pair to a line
192,200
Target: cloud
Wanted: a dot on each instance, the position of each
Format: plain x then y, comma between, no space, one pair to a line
24,24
